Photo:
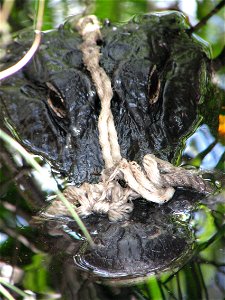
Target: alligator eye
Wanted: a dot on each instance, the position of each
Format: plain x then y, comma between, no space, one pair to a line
153,86
55,101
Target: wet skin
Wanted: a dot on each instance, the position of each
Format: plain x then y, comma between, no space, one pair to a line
159,74
152,241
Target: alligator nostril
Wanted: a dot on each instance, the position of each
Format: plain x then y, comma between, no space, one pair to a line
99,42
153,86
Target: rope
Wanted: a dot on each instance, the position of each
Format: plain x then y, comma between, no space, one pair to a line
155,181
89,29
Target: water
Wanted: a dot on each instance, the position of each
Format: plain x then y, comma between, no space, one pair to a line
41,259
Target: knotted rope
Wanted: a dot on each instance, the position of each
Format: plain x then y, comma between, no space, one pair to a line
154,182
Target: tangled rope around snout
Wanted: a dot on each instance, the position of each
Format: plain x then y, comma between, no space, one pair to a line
155,181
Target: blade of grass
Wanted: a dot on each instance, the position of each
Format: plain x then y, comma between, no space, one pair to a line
6,294
179,286
30,160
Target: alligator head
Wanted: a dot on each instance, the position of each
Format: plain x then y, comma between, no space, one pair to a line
158,72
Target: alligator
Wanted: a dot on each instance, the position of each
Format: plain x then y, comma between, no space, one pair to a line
160,74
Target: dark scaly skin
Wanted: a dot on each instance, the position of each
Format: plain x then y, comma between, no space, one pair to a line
136,56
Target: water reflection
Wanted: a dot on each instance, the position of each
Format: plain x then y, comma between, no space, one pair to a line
152,241
155,240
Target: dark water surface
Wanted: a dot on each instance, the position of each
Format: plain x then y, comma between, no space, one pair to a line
184,243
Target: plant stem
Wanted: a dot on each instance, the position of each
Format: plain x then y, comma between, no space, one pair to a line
23,61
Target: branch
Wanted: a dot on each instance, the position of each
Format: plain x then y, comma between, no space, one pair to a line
205,19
